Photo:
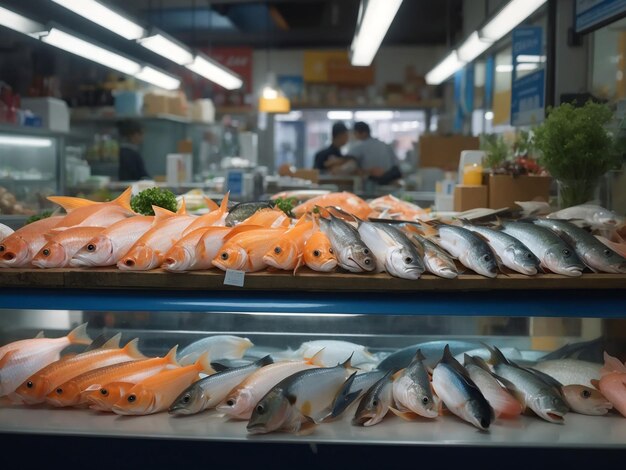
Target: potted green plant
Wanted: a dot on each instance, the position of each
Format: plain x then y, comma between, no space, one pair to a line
496,150
577,149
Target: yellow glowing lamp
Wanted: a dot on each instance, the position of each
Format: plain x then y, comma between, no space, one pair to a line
272,101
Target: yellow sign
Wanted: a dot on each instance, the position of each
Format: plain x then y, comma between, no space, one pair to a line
501,107
274,105
316,64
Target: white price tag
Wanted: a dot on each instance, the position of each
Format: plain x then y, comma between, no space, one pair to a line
234,278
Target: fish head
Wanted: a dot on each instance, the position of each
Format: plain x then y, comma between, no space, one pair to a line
484,262
95,253
586,400
33,390
239,402
403,264
370,412
523,258
103,398
139,258
66,394
191,401
233,257
479,413
550,407
52,255
562,260
179,258
270,413
318,254
604,218
603,256
283,255
418,398
361,257
138,401
441,266
14,251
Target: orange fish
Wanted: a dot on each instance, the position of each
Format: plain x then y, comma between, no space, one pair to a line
215,218
158,392
108,395
318,253
22,359
19,248
269,218
286,253
245,251
615,246
73,392
62,246
94,215
391,207
149,251
346,201
35,388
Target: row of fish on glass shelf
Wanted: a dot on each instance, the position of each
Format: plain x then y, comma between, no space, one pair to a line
336,229
292,390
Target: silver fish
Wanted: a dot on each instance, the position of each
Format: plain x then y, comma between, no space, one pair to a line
376,402
430,349
353,388
533,392
590,250
471,250
436,260
571,371
533,208
210,391
592,214
412,391
243,210
554,253
511,252
352,253
218,347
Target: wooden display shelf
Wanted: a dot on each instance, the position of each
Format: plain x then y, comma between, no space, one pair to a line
305,280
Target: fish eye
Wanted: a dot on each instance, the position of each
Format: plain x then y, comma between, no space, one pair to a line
374,402
425,400
408,260
224,256
186,398
316,253
586,394
131,398
277,250
566,252
29,384
260,409
104,392
607,252
230,402
367,261
46,252
330,250
59,391
366,251
1,247
91,247
529,255
486,258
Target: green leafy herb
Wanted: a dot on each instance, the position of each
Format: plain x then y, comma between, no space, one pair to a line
42,215
496,149
142,203
286,205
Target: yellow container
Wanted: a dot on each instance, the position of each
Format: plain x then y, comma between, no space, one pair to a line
473,175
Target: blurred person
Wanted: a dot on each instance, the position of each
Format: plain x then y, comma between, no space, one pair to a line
331,160
131,164
376,159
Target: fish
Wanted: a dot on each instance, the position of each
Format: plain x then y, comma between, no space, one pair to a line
215,218
393,251
554,253
300,194
18,344
376,403
245,251
354,388
431,350
208,392
503,403
106,248
592,214
436,260
18,249
351,252
101,214
287,251
534,208
585,400
149,250
595,254
318,253
512,354
412,392
330,352
531,391
590,351
5,231
62,246
158,392
571,371
36,387
617,247
240,402
268,218
23,358
302,398
243,210
218,347
612,387
470,249
395,208
345,201
74,392
108,395
460,394
509,251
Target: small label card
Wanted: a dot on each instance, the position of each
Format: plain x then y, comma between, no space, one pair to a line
234,278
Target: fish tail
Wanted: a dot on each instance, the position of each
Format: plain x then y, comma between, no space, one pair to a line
132,349
79,335
123,200
182,210
113,343
70,203
170,357
204,364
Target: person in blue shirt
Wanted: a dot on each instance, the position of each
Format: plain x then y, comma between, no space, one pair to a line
331,160
131,164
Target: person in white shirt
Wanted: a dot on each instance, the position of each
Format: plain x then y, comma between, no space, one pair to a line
377,160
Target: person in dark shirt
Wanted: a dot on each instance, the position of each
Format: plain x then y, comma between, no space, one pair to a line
330,159
131,165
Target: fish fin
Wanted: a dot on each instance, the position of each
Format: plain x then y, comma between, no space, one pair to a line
204,363
449,359
132,349
612,364
171,356
96,343
397,374
347,364
496,355
160,214
52,233
40,335
210,204
7,358
301,220
224,204
307,426
419,356
291,398
241,228
405,415
113,343
265,361
316,359
182,210
79,335
298,263
219,367
595,383
71,203
546,378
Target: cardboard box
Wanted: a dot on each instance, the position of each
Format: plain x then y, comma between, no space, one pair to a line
468,197
504,190
444,151
154,104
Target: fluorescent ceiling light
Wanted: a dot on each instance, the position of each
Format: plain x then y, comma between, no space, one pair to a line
509,17
19,23
105,17
444,69
489,115
373,115
504,68
376,17
25,141
167,48
291,116
521,67
339,115
531,58
90,51
157,78
473,46
215,72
